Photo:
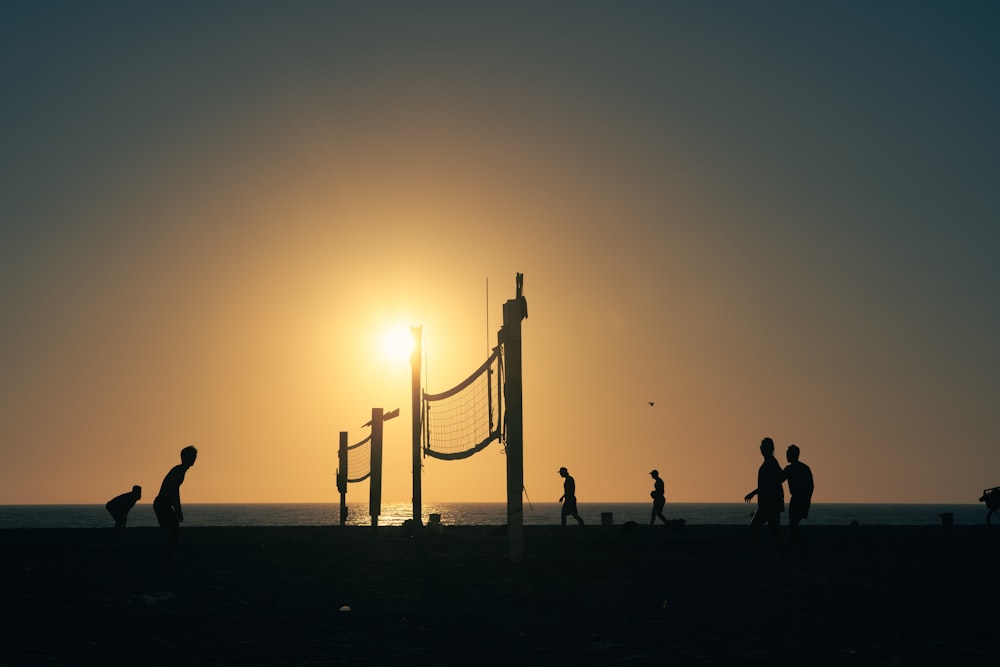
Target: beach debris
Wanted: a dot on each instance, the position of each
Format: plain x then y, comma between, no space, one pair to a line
345,607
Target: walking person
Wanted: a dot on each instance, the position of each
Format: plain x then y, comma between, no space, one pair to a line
800,490
659,498
119,507
770,496
167,504
568,498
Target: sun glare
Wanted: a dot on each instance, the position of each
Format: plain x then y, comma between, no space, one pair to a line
396,344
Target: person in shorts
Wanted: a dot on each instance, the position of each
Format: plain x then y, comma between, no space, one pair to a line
119,507
659,498
568,498
800,488
167,504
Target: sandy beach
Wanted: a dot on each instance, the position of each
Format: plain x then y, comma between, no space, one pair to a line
601,595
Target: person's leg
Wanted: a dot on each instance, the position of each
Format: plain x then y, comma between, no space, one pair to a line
795,532
755,525
774,527
173,535
167,519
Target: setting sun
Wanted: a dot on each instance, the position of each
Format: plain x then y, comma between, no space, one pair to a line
396,344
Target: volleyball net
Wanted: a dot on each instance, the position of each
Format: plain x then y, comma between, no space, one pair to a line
465,419
355,462
359,461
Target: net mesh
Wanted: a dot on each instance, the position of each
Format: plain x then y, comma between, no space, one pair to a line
465,419
359,461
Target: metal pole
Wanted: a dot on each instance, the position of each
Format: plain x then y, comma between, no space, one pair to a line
415,359
514,311
375,488
342,474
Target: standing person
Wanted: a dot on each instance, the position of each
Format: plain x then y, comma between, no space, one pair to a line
119,507
568,498
659,498
800,490
167,504
770,495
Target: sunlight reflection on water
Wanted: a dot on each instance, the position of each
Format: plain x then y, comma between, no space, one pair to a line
394,514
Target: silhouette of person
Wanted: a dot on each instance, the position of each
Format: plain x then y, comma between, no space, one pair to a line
167,504
659,498
568,498
800,490
770,495
119,507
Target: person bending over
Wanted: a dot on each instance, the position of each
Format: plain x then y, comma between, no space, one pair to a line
167,504
119,507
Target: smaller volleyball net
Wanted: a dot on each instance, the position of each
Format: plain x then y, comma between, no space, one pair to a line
359,461
465,419
355,463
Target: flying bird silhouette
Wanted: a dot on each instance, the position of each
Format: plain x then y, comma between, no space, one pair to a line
652,402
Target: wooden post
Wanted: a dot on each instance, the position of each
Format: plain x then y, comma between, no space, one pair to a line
375,487
514,311
342,473
415,360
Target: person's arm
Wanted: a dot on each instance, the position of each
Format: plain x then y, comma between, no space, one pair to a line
177,498
748,497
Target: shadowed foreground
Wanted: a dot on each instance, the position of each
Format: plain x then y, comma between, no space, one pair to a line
601,595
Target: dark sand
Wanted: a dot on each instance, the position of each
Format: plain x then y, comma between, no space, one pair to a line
601,595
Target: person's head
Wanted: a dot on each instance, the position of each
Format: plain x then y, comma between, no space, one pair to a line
137,491
563,472
792,454
654,473
767,447
188,455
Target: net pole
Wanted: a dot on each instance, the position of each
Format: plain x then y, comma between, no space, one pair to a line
514,311
375,487
342,475
415,354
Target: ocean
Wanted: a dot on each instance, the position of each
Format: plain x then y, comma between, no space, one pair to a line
327,514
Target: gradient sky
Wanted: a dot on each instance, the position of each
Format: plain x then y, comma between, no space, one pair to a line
770,218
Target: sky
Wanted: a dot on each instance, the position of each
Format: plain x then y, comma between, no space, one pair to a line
770,219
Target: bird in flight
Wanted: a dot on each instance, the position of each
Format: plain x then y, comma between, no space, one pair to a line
652,402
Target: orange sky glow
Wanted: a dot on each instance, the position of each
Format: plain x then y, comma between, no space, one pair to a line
214,219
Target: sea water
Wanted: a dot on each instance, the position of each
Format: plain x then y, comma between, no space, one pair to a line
394,514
